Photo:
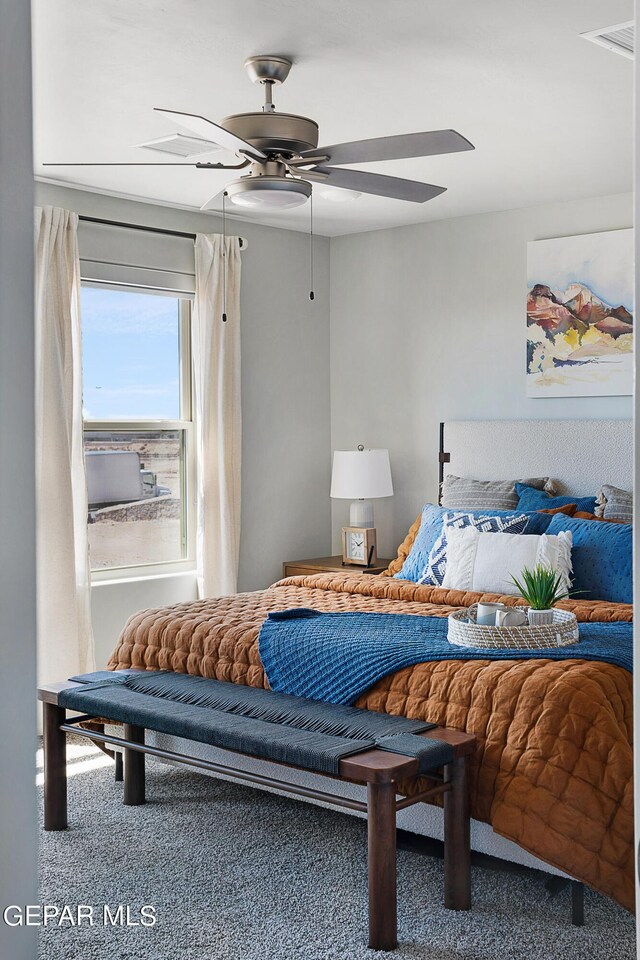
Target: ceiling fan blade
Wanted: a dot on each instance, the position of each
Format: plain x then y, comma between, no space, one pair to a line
405,145
374,183
136,163
213,132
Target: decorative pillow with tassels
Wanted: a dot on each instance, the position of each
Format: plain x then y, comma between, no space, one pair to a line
486,563
612,503
437,564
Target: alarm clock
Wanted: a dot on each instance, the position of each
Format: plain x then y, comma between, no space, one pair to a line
359,546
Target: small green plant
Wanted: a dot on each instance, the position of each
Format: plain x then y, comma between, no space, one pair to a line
541,587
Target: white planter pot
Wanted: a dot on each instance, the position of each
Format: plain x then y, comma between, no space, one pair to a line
539,617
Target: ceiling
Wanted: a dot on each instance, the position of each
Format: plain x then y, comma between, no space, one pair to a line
550,115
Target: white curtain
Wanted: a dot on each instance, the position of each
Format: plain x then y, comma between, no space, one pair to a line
65,639
216,367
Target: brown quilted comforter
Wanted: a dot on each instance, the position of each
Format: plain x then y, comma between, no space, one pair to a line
553,768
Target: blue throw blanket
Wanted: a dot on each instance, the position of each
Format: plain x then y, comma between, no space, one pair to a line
337,656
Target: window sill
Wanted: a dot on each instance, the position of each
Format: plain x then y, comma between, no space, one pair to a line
107,580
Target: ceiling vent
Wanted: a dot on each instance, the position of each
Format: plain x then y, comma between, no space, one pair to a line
619,38
181,146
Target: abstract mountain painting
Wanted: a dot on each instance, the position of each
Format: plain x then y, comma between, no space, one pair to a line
580,315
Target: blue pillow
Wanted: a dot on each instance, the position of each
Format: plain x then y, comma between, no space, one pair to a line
532,499
602,558
538,522
431,527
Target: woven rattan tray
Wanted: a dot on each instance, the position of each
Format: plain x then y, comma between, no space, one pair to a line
465,632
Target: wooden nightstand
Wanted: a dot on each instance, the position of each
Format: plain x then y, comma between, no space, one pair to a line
297,568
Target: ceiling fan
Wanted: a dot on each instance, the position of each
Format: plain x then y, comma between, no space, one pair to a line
282,154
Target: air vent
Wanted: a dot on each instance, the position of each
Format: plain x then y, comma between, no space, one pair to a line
619,38
180,145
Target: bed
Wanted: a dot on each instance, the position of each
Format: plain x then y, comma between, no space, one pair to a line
551,782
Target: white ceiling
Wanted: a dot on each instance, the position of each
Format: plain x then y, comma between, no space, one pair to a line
550,115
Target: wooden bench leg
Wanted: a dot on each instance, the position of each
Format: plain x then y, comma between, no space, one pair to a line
55,767
118,771
577,903
133,767
457,841
381,815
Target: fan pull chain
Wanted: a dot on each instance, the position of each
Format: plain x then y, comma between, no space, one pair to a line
224,259
312,295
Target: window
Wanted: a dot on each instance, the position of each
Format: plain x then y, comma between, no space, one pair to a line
138,437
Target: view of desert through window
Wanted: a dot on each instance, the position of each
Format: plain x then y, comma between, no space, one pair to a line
148,527
135,475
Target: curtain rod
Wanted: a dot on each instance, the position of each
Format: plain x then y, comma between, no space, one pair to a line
140,226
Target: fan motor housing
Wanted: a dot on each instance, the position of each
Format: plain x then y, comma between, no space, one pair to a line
283,133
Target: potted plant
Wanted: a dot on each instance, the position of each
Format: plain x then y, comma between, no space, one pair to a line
542,588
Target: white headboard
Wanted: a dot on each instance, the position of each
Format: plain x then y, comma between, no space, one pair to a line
581,454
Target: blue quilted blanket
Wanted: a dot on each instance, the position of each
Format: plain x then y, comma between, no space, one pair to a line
337,656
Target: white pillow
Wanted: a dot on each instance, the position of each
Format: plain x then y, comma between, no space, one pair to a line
485,562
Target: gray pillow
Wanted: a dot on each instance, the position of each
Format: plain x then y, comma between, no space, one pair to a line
460,493
614,503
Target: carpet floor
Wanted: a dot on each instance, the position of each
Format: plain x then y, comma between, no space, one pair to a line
234,874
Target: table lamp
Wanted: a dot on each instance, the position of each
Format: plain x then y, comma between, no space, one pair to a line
360,476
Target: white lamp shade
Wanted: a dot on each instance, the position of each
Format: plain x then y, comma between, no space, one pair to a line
361,475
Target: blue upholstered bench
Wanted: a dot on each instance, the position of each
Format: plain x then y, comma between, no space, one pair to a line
358,746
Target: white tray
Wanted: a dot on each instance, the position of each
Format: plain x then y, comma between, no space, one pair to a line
465,632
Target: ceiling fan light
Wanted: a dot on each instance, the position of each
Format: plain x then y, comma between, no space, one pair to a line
273,193
269,198
339,195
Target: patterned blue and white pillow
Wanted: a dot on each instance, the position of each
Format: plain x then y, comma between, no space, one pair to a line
436,566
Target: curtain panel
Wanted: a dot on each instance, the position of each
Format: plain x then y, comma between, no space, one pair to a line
65,638
216,369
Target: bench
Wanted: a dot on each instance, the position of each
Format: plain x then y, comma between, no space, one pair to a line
438,769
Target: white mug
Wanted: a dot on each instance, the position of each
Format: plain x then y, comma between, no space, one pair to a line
486,613
510,617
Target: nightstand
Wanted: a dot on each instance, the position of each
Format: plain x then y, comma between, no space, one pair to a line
297,568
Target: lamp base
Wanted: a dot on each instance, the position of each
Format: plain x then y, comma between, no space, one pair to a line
361,513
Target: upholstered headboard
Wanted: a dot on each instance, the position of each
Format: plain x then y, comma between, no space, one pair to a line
581,454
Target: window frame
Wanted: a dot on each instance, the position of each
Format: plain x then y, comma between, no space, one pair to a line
185,425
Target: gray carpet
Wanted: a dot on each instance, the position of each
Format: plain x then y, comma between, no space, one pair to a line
236,874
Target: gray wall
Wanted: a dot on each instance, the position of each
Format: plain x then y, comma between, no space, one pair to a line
285,397
18,820
427,324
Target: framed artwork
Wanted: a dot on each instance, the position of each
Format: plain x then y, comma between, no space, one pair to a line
580,315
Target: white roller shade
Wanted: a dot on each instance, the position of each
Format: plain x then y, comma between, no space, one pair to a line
130,257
